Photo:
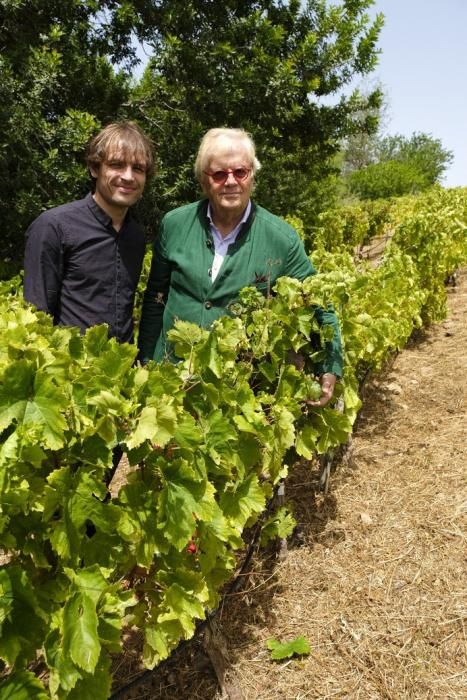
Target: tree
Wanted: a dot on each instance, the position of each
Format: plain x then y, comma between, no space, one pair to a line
401,166
276,69
425,153
390,178
360,148
56,87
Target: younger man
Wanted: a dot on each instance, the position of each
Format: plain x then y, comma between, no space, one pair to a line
83,259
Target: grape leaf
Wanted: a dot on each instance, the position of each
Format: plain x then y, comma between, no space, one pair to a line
297,647
80,638
156,423
23,620
39,404
22,685
180,503
241,502
95,686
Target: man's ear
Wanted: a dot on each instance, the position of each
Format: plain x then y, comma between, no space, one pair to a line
94,171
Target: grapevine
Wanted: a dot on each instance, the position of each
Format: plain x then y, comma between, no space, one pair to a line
207,440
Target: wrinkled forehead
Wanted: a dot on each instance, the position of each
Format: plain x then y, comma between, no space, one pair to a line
225,150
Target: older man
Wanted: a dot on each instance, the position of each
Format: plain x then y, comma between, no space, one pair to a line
209,250
83,259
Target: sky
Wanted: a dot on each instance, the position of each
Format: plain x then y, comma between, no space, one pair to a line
422,68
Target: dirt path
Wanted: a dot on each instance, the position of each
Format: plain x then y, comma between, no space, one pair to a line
378,581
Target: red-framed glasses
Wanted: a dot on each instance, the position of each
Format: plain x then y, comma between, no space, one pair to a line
220,176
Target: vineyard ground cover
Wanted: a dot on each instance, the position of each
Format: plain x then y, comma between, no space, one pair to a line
376,581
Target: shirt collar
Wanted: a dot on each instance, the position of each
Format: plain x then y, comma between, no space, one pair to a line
100,214
234,233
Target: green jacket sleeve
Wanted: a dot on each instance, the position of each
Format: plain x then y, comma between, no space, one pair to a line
333,361
155,299
299,266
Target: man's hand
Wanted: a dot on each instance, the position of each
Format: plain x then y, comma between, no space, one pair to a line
328,382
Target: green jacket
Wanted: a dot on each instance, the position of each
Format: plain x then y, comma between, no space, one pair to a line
180,286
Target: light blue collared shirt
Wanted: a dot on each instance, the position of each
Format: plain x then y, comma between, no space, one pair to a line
221,243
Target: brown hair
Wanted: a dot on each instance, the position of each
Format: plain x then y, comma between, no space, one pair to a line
125,136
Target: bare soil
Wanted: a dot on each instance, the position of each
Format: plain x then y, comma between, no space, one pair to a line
377,578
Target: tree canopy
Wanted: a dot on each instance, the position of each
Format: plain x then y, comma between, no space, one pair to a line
423,151
401,166
274,67
278,70
56,87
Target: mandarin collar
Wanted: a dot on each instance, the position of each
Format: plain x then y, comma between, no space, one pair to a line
100,214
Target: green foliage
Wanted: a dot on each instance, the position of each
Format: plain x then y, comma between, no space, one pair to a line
380,213
266,67
343,227
279,525
434,234
389,178
202,438
349,226
297,647
22,685
207,440
103,28
425,153
268,70
401,166
55,90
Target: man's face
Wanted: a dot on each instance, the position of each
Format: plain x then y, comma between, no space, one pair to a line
229,197
120,182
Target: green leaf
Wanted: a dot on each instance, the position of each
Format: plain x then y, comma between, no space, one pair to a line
220,435
182,502
64,674
76,495
284,427
33,454
17,383
185,336
138,522
280,524
108,402
334,428
90,581
188,434
23,621
22,685
156,423
95,686
80,638
95,340
241,501
38,405
160,639
113,609
297,647
183,607
307,439
268,370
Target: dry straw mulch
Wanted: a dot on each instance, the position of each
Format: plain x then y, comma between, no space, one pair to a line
377,581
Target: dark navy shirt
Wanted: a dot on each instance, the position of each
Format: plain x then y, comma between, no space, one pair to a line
80,270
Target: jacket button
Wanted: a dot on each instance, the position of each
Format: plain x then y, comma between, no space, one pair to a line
207,304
